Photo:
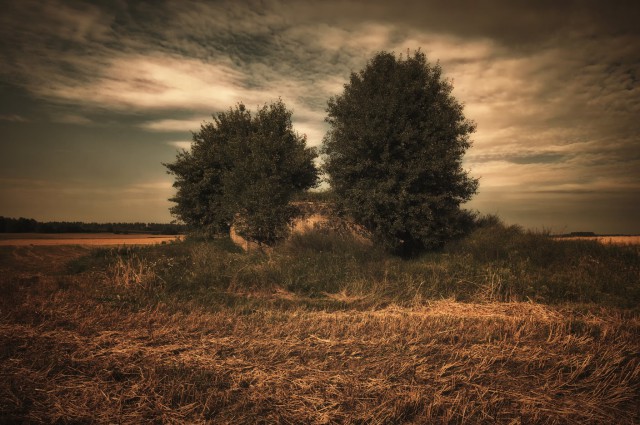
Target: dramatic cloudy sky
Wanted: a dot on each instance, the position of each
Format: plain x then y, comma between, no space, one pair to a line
94,96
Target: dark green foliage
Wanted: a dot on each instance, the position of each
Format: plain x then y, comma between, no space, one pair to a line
394,152
245,169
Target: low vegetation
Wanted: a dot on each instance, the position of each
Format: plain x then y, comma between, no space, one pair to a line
494,263
503,326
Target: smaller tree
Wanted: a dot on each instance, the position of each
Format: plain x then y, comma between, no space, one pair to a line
243,168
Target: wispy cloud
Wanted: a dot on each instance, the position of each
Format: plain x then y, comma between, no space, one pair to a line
175,126
72,119
157,82
13,118
180,144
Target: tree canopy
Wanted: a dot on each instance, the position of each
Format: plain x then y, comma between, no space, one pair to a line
393,154
243,169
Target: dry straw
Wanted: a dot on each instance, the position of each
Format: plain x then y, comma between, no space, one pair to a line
89,348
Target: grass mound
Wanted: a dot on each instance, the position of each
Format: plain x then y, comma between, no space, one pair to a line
494,263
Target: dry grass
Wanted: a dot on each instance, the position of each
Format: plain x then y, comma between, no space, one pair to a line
92,347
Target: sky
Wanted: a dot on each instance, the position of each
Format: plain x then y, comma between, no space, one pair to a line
96,95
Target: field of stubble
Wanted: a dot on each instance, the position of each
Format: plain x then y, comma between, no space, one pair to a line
318,331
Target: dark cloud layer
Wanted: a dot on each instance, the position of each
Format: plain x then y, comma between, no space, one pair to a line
95,95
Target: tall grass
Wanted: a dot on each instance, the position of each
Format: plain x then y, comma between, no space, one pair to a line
494,263
532,265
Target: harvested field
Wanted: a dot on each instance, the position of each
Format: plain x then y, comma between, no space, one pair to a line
92,239
96,346
615,240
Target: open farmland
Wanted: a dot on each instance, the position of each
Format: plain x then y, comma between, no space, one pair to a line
321,330
92,239
616,240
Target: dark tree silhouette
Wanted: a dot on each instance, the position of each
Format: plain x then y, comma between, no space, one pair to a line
243,168
394,150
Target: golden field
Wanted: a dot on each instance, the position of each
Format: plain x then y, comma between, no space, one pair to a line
92,239
202,333
616,240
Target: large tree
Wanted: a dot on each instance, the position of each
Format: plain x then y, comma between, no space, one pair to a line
243,168
394,150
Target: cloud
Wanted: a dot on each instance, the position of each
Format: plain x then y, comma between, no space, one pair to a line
72,119
533,157
157,82
180,144
175,125
13,118
553,87
160,186
304,120
517,25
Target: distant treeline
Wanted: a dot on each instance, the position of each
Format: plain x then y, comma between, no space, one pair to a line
29,225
